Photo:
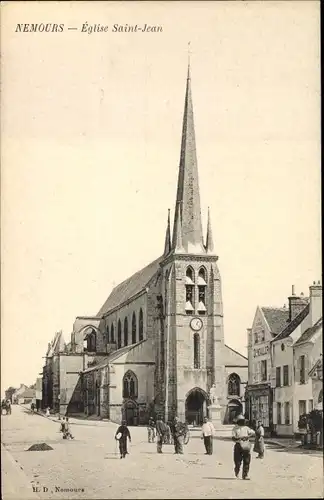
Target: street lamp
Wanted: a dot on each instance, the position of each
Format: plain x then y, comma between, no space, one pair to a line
59,398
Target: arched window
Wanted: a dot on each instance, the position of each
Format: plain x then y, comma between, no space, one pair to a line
134,329
119,335
108,337
234,385
125,331
140,326
202,286
112,334
196,350
90,340
190,291
130,385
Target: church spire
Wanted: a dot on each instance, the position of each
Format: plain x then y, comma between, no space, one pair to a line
167,244
188,196
209,237
177,243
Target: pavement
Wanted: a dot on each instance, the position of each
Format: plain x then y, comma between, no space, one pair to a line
89,466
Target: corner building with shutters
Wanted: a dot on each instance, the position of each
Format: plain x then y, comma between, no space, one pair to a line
157,343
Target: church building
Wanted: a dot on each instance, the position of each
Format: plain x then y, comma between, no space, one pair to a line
157,343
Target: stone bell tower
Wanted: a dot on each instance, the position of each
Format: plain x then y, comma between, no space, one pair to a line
193,336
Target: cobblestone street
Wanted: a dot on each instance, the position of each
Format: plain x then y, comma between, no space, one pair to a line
90,463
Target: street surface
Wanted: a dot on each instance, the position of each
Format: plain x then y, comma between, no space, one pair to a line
90,467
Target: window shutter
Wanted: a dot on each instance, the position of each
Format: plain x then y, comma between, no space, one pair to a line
306,368
297,374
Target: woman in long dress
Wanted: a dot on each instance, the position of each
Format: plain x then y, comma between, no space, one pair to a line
259,440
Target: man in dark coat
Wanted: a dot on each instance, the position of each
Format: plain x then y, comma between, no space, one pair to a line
161,431
178,432
123,433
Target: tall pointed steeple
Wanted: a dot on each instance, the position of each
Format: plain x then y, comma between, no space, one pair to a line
209,237
188,196
177,242
167,244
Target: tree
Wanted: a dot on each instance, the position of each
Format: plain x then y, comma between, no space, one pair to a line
33,386
9,392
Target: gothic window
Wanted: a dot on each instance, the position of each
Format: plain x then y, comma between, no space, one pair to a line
190,287
202,286
234,385
112,334
130,385
196,351
125,331
134,329
91,340
119,335
140,325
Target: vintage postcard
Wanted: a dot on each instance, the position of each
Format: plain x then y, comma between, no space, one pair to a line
161,255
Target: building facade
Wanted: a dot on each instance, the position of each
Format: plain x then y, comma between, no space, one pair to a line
157,343
267,323
293,353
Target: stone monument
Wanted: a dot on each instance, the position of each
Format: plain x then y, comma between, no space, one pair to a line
214,410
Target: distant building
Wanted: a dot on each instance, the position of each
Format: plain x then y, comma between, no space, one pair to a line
27,396
18,392
294,351
157,343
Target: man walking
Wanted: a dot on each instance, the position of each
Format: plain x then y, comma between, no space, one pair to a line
207,434
121,435
241,434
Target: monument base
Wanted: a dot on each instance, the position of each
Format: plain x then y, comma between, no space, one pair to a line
214,413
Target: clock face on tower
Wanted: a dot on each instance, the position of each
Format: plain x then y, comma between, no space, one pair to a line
196,324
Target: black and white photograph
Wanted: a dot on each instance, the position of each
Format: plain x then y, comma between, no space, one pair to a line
161,274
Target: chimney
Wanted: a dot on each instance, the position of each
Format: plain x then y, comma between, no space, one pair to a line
315,299
296,304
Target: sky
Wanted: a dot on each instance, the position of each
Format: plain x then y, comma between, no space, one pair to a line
90,132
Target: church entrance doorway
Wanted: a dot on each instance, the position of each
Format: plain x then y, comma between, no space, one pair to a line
234,409
196,406
130,413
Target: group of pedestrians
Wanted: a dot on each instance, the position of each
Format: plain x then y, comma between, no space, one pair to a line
175,431
167,433
241,435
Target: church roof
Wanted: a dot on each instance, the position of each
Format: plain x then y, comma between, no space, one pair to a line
130,287
113,357
307,335
276,317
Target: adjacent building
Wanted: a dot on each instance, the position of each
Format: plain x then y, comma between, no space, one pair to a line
157,343
268,322
293,353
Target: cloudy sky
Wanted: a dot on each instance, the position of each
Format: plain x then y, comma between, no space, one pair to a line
91,128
